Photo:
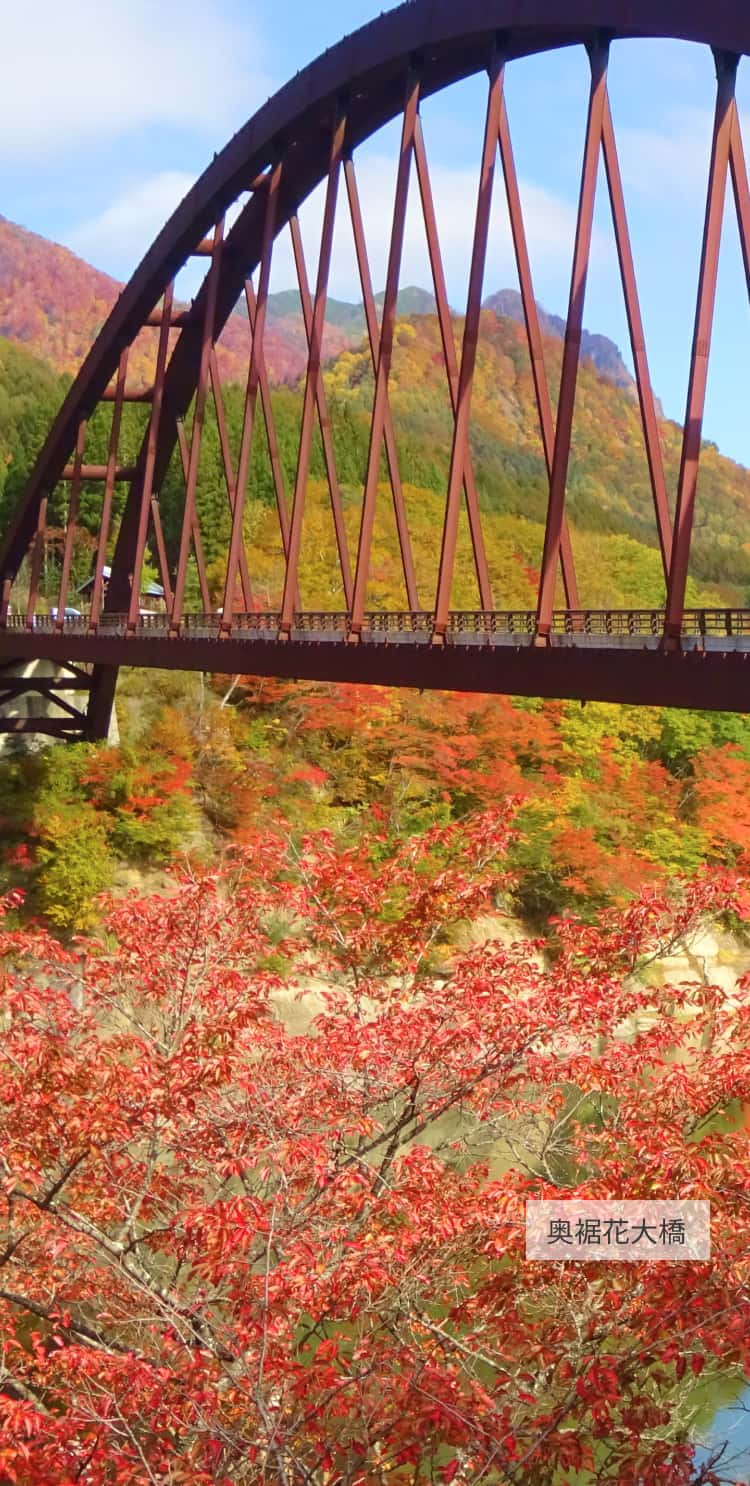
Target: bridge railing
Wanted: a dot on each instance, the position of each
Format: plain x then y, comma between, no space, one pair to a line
420,621
698,624
492,622
609,622
717,622
598,622
320,622
265,623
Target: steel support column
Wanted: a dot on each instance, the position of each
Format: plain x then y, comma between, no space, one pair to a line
190,523
373,336
572,349
251,395
385,355
726,71
314,394
460,448
534,337
445,322
638,342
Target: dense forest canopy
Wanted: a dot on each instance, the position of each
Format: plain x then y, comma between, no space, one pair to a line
306,989
609,499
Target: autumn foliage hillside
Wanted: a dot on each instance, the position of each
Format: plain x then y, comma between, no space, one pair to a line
608,488
234,1255
607,799
55,305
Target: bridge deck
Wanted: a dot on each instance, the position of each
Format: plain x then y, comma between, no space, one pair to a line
614,655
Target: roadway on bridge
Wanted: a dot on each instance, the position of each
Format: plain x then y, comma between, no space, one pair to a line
615,656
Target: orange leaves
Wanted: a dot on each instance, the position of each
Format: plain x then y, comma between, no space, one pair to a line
114,780
592,870
599,820
722,795
292,1236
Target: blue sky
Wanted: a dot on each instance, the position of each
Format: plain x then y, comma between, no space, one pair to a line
108,112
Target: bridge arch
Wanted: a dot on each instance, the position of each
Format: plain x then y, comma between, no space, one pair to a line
302,137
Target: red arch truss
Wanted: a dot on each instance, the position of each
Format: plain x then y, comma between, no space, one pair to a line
305,137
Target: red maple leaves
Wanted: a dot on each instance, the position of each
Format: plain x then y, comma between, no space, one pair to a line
237,1253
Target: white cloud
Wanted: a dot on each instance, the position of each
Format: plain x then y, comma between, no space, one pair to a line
550,227
121,234
86,70
117,238
669,165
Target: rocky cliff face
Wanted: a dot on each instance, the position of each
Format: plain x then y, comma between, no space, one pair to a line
603,352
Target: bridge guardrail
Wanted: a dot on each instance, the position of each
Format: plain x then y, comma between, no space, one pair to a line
609,622
419,621
717,622
319,621
698,624
265,622
491,622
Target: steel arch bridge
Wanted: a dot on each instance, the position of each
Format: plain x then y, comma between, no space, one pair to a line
305,137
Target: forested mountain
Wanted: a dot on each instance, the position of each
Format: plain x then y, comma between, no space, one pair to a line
507,304
55,303
609,494
30,394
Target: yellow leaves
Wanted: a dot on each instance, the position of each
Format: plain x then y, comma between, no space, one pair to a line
348,372
583,730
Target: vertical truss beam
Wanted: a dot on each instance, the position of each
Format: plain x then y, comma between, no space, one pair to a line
228,467
71,526
37,558
534,338
741,189
726,71
147,485
460,447
161,552
451,363
572,348
314,394
271,436
638,342
373,336
251,397
105,519
385,356
195,530
321,402
190,524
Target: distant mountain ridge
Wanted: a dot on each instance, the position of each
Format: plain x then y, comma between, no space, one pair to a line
600,349
54,303
506,304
